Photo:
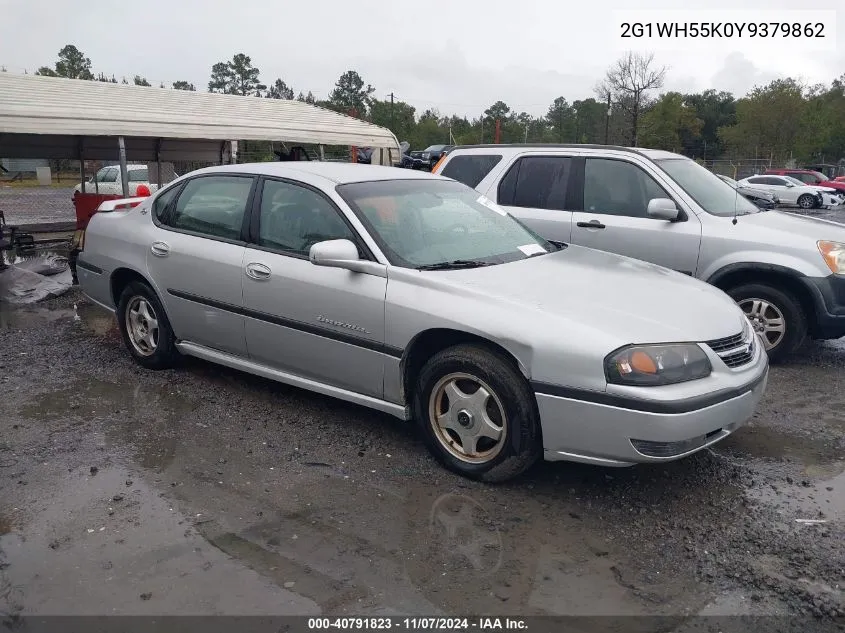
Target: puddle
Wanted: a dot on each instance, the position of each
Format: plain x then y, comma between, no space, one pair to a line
162,410
93,318
102,547
768,442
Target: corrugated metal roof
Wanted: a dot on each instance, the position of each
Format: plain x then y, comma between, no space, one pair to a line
31,104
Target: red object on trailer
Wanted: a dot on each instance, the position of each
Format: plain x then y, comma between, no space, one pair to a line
86,205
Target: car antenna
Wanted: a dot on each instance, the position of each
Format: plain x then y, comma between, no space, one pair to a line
736,199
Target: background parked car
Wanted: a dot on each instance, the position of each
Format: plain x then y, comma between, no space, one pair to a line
430,155
107,180
762,198
788,190
787,272
809,177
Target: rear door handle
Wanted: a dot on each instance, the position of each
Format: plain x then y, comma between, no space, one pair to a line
160,249
257,271
592,224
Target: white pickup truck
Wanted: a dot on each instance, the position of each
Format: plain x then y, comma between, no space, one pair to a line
107,180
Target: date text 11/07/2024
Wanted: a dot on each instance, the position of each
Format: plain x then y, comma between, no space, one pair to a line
783,30
418,624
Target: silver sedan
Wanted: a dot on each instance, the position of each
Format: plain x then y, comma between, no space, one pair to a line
413,295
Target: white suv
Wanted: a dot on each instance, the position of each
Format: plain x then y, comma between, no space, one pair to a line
786,272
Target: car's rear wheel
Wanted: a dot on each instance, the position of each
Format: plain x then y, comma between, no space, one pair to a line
146,331
477,413
776,316
807,201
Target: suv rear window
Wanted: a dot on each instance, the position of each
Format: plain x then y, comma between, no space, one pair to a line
470,169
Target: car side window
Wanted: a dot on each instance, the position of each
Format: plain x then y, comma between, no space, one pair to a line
470,169
162,202
294,218
617,187
138,175
107,175
757,181
213,206
536,182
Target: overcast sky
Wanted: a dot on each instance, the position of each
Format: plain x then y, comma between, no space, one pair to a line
455,55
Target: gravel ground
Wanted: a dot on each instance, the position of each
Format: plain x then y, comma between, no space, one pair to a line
203,490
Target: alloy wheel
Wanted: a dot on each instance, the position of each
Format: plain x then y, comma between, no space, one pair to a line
766,319
468,418
142,325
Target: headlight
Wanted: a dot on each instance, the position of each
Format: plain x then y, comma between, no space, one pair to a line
653,365
834,255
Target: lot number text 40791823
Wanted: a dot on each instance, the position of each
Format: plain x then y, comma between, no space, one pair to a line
417,624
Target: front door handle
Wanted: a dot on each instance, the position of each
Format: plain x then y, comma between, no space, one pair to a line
257,271
160,249
592,224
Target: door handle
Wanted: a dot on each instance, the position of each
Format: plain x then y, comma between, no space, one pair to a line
259,272
592,224
160,249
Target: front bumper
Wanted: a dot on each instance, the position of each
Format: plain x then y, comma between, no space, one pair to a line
612,435
829,298
833,201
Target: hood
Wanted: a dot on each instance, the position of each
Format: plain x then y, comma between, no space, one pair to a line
794,226
631,300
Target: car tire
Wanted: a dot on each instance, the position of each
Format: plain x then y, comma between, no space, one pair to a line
145,328
806,201
764,305
509,404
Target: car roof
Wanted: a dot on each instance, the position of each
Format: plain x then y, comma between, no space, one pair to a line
653,154
339,173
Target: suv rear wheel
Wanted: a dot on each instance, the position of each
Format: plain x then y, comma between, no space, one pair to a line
776,316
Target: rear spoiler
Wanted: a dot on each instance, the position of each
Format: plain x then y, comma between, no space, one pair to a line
120,204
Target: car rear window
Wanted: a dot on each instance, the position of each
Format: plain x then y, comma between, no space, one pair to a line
470,169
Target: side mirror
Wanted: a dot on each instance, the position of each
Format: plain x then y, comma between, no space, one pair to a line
662,209
343,254
789,185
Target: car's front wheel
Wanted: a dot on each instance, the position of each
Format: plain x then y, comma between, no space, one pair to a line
145,328
477,413
807,201
776,316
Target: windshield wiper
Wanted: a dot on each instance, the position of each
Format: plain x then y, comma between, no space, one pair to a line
454,264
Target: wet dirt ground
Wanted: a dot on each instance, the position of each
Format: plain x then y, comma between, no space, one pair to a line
202,490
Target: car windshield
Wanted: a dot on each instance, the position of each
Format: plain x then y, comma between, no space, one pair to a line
820,177
434,148
795,181
425,223
712,193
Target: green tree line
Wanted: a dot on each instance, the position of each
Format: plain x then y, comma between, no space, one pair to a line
782,120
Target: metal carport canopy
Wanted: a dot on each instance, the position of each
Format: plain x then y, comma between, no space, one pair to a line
57,118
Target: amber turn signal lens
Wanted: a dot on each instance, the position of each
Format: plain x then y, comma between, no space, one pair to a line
642,362
834,256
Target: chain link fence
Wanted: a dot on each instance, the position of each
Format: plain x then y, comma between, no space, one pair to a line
40,191
738,168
